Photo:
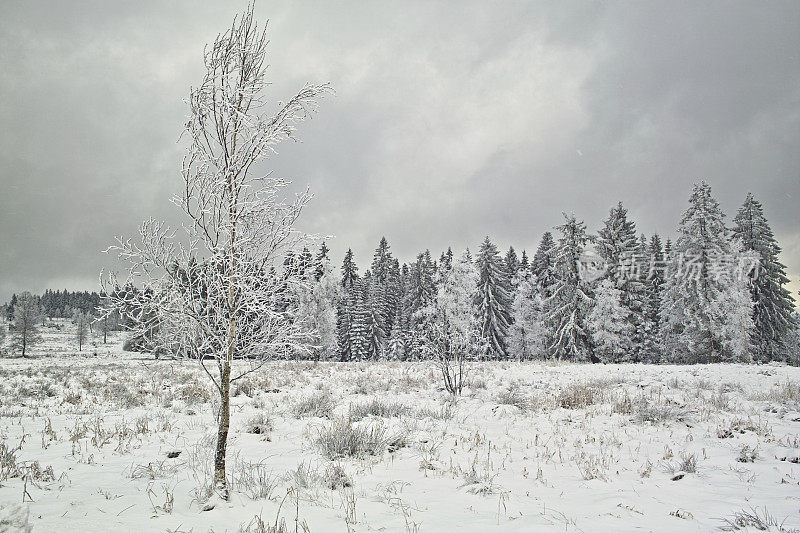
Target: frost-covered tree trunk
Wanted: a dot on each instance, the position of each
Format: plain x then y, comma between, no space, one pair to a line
215,289
81,328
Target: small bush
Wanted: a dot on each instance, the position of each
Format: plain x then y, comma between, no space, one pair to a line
747,454
260,424
753,519
788,391
512,395
304,476
378,408
579,396
319,404
255,479
687,464
343,439
243,387
336,478
654,413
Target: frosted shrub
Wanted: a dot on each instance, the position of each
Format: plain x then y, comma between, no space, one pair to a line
336,478
319,404
579,396
343,439
260,424
513,395
377,407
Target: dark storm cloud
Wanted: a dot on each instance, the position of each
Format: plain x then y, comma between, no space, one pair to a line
451,121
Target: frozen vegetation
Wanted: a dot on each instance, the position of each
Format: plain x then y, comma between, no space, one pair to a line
108,440
449,394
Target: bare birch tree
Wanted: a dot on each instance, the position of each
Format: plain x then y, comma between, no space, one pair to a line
212,289
81,328
452,332
25,324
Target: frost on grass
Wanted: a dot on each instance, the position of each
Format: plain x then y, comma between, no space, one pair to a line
377,407
259,424
14,518
319,404
754,519
343,439
574,445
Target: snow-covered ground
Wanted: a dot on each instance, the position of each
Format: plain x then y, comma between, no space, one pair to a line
112,441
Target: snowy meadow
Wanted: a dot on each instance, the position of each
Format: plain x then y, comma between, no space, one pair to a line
233,373
109,440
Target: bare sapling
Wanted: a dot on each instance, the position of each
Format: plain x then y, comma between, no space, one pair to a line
214,289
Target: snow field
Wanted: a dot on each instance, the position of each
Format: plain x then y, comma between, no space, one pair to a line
118,442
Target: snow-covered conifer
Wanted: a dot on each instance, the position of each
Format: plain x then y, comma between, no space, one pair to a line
654,285
701,286
321,260
610,325
543,265
512,265
317,309
493,299
625,259
527,335
566,308
773,304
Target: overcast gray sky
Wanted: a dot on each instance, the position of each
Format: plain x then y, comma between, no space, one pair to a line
451,120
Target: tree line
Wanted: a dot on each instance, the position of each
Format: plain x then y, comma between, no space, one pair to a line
59,304
716,293
26,313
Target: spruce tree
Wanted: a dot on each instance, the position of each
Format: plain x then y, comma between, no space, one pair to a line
305,262
346,310
566,308
696,314
360,327
524,263
493,299
382,301
542,265
624,258
375,323
446,260
321,260
609,324
512,264
349,271
527,335
773,321
654,285
420,292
